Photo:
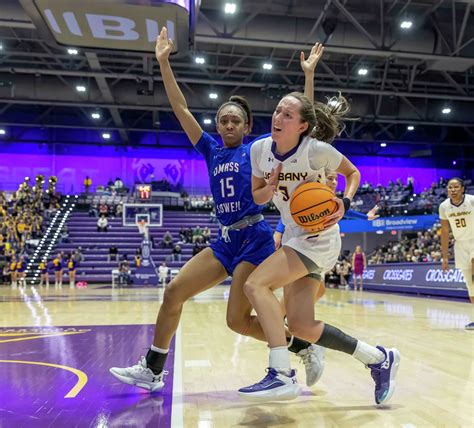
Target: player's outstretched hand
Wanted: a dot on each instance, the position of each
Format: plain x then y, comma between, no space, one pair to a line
372,214
338,214
309,64
163,46
277,239
445,265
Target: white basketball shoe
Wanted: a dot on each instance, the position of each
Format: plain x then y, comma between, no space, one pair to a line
313,359
140,375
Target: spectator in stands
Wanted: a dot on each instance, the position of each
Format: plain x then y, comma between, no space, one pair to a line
64,234
118,183
102,224
124,277
183,235
176,253
186,200
103,209
94,210
199,245
167,241
197,233
87,184
163,273
138,257
359,263
113,254
79,256
212,215
206,234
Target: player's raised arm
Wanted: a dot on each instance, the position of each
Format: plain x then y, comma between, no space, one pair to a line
309,66
178,103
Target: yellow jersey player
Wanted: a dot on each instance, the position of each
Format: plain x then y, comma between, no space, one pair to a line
457,212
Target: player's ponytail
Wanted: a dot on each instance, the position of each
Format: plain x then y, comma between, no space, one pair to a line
330,118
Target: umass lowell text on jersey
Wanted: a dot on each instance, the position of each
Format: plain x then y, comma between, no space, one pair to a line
230,175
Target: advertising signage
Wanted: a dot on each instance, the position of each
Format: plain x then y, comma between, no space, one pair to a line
422,278
419,222
126,25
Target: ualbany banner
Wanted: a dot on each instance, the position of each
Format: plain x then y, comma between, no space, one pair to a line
418,222
421,278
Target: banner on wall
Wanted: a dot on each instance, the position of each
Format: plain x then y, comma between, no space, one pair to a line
414,275
420,222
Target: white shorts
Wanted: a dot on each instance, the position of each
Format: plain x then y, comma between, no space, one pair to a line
322,249
464,253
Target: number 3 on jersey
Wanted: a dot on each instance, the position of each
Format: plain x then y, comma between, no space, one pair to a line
227,187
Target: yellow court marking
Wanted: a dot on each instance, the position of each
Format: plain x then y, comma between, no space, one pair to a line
82,377
18,339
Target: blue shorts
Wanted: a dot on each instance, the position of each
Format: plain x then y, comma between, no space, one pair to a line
252,244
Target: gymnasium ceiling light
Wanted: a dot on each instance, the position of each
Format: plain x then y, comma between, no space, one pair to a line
230,8
362,71
406,24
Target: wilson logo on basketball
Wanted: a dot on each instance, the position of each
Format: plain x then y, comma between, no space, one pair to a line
304,219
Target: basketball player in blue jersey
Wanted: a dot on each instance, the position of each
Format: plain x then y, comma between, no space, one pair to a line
280,163
245,239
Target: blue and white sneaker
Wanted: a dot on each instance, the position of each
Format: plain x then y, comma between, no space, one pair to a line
384,374
470,326
274,386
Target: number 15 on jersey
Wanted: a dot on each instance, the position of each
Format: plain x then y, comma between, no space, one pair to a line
227,187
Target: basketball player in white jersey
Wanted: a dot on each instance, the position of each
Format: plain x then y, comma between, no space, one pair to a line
280,163
457,212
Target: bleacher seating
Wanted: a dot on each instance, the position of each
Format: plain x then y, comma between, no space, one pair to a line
95,245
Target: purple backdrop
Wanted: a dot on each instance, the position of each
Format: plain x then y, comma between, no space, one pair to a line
71,163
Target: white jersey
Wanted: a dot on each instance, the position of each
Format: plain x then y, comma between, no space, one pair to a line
305,163
460,217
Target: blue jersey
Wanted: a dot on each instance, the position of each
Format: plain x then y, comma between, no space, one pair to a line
230,177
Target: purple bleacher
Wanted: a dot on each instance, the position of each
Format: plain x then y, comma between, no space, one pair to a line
95,245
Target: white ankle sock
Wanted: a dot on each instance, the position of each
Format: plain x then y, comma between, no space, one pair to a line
280,360
156,349
368,354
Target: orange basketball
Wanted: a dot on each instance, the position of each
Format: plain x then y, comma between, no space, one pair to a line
310,205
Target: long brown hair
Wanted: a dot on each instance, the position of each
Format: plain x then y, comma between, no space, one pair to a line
329,118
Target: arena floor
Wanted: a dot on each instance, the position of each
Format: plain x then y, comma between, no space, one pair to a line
56,347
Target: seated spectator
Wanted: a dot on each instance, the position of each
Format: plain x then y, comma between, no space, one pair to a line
94,210
197,232
167,241
206,234
102,224
124,276
163,273
104,209
183,235
79,256
199,245
176,253
163,185
212,215
113,254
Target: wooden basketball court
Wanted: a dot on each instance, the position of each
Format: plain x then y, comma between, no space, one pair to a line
56,347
